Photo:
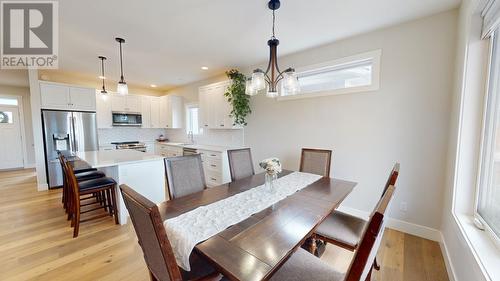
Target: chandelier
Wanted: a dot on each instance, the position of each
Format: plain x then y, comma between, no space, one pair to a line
270,78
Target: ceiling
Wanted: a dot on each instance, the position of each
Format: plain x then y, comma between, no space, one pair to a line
167,41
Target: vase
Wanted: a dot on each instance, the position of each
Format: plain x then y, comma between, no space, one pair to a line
269,181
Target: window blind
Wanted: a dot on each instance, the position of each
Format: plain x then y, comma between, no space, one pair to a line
491,17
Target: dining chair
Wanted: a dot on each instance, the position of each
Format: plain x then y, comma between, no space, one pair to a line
184,175
316,161
77,189
240,163
156,247
345,230
304,266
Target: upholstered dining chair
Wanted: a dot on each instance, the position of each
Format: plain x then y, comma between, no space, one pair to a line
155,245
304,266
184,175
345,230
316,161
240,163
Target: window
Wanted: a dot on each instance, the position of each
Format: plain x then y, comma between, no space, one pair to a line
488,200
192,119
353,74
8,101
6,117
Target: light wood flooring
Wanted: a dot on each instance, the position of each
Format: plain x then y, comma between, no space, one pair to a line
36,243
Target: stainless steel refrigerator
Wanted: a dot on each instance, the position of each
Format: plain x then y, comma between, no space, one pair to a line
67,131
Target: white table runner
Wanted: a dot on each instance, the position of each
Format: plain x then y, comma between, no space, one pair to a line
189,229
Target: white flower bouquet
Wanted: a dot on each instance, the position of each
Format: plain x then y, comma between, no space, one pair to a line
271,165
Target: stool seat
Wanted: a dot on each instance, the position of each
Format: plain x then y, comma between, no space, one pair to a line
90,175
96,183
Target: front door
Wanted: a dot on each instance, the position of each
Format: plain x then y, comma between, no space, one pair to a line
11,150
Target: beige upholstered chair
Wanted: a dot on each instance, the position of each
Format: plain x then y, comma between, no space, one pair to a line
184,175
316,161
345,230
155,245
240,163
304,266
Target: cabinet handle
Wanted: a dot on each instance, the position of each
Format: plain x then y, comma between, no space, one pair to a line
206,125
214,179
213,165
222,125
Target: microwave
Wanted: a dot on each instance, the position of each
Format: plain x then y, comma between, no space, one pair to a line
127,119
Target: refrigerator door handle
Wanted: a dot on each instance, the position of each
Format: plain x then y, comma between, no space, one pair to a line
75,139
72,133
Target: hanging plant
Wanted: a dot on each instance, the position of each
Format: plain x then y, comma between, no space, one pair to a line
236,96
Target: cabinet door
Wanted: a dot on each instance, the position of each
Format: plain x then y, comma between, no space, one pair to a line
146,111
82,98
54,96
118,103
133,104
220,107
176,110
204,109
103,109
155,112
164,119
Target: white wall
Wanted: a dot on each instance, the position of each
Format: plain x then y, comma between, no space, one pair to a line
406,120
24,92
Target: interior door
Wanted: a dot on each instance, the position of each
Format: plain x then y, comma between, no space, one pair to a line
11,150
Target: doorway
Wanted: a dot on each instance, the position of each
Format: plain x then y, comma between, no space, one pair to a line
11,141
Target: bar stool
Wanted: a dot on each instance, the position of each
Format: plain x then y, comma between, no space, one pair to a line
104,186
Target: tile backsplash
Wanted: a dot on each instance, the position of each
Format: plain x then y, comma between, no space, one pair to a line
117,134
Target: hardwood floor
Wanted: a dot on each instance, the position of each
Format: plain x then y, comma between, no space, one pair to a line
36,243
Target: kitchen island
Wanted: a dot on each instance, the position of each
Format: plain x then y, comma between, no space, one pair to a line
144,172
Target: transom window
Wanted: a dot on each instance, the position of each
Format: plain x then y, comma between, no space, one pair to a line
8,101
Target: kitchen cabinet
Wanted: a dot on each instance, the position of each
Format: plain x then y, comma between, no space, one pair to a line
67,97
215,166
167,150
103,109
171,110
146,111
155,112
214,108
126,103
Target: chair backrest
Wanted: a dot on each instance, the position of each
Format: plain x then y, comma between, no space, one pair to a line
240,163
152,235
393,176
184,175
364,257
316,161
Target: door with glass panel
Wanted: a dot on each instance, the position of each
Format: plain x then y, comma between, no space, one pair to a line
11,151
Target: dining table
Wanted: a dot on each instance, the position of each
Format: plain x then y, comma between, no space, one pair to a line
255,248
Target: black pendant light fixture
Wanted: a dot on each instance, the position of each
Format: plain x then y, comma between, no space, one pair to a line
122,87
272,76
103,91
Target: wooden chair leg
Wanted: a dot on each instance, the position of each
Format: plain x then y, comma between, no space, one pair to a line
109,202
76,217
151,276
376,266
113,198
369,276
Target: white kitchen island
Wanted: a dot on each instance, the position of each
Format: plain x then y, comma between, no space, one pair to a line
143,172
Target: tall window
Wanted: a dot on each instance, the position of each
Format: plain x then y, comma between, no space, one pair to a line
488,201
192,119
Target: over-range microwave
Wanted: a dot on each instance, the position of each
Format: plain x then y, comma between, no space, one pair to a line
127,119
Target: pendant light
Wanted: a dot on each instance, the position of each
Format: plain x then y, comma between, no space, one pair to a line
272,76
103,91
122,87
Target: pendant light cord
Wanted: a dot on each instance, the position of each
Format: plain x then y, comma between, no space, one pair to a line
103,77
121,62
274,19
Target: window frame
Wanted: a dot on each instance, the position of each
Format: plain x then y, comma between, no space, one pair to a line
490,89
188,106
374,56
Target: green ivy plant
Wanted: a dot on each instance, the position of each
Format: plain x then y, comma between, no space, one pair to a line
236,96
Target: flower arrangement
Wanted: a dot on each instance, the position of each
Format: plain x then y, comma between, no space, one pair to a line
271,165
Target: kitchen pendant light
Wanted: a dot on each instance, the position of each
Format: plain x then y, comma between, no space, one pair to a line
272,76
103,91
122,87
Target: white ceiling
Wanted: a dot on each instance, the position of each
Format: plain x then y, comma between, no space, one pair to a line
169,40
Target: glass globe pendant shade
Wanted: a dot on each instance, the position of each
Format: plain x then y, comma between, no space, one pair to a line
249,90
258,80
290,83
272,94
122,88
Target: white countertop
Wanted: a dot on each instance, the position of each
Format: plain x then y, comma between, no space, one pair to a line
201,146
108,158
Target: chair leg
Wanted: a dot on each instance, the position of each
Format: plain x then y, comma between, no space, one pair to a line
376,266
76,218
113,198
151,276
369,276
109,203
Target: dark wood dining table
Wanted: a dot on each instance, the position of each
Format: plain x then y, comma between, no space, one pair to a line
255,248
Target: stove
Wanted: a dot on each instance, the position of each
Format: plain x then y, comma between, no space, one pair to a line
135,145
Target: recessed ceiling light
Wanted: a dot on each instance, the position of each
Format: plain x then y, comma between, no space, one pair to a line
101,77
204,67
153,86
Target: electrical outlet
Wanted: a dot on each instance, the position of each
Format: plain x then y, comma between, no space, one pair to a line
403,207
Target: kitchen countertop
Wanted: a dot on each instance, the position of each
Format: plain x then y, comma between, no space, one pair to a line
201,146
108,158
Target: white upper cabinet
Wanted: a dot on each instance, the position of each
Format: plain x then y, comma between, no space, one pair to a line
214,109
155,112
128,103
103,109
66,97
171,110
146,111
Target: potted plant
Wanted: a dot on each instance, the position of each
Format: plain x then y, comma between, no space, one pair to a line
236,96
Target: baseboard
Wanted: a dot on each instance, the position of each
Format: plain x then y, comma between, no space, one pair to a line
447,260
30,165
42,187
403,226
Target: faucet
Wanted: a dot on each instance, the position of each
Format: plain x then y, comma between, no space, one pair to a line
191,137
